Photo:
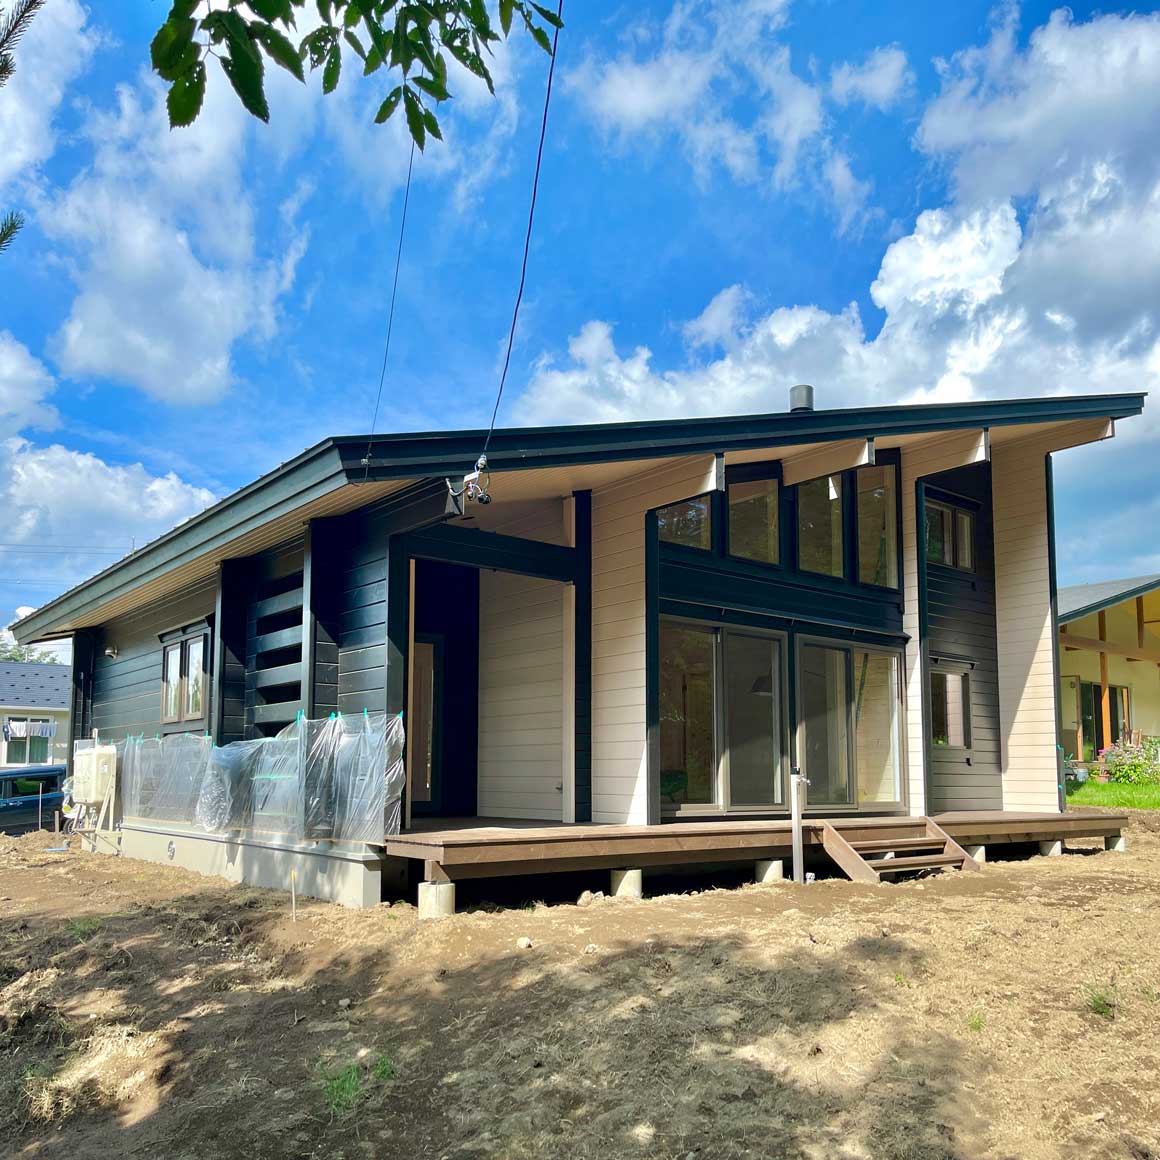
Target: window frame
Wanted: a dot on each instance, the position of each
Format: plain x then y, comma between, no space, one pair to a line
722,805
182,640
844,575
954,510
850,646
713,515
758,473
892,465
940,666
27,759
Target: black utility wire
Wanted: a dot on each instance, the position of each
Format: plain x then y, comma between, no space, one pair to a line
391,311
528,235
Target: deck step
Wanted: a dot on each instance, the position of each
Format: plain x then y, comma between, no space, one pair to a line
882,845
921,862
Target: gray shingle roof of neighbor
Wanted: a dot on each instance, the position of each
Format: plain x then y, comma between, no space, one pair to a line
1084,599
24,685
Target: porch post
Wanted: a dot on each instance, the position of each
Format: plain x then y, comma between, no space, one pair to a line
1105,693
582,655
652,650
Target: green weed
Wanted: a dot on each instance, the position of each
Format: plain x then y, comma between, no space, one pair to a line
82,928
345,1088
976,1020
1100,1000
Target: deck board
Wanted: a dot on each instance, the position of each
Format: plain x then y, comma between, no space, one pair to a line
479,847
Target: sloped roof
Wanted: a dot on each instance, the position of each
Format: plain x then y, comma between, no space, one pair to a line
1083,599
35,686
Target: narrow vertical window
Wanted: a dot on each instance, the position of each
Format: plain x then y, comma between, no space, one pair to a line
940,537
753,523
819,508
878,727
825,715
688,524
965,541
195,678
171,683
877,527
687,725
950,716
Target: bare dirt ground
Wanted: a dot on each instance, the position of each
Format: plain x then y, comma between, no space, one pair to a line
146,1011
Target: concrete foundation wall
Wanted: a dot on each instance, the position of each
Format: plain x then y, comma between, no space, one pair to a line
350,876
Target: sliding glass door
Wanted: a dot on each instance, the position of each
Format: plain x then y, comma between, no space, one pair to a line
722,719
851,725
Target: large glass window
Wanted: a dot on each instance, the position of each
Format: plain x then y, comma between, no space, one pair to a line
689,523
950,710
877,527
687,725
753,704
819,508
878,727
826,722
753,523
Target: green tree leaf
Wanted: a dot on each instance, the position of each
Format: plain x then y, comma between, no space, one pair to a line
355,43
332,70
170,48
247,76
431,124
414,112
186,94
389,105
432,88
549,16
273,10
278,48
506,9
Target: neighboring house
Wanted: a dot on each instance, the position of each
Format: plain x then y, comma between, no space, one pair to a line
648,627
34,712
1109,664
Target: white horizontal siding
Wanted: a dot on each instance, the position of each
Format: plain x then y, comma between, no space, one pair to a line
1027,680
619,730
521,696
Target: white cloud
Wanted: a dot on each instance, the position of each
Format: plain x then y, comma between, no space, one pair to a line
54,497
55,50
158,233
720,321
25,384
882,80
849,194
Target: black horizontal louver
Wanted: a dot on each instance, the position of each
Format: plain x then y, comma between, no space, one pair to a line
274,655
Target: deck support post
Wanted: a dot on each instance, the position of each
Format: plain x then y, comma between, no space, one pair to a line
436,899
978,853
772,871
628,884
1051,849
1116,842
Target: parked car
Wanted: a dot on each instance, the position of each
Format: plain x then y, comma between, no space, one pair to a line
28,794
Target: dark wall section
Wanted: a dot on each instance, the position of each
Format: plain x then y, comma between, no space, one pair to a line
447,611
959,616
126,690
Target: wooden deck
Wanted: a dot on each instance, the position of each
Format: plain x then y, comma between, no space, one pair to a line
492,847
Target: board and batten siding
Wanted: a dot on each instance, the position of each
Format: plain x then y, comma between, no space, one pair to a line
619,721
127,688
521,696
918,461
1027,680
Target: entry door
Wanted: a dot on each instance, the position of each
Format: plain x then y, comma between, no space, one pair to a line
423,742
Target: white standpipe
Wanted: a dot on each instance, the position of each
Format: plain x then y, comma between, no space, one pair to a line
797,803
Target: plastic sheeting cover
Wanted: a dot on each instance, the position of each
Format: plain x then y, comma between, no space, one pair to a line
338,778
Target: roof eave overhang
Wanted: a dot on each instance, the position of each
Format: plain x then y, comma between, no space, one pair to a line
1111,602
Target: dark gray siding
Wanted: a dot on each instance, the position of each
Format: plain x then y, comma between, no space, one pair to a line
960,630
126,690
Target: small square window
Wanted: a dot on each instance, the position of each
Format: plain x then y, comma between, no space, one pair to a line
689,523
950,536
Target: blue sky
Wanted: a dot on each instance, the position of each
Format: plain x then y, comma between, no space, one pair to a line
894,202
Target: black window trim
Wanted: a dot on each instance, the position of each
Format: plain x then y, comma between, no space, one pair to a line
181,638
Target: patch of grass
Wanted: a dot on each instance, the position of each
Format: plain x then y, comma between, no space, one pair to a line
82,928
1115,796
1100,999
976,1020
344,1088
900,980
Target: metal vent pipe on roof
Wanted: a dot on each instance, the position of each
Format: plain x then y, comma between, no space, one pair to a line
801,397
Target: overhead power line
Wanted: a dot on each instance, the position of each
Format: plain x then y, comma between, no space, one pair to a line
528,232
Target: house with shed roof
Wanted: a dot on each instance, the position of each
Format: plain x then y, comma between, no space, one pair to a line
1109,664
613,646
34,713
